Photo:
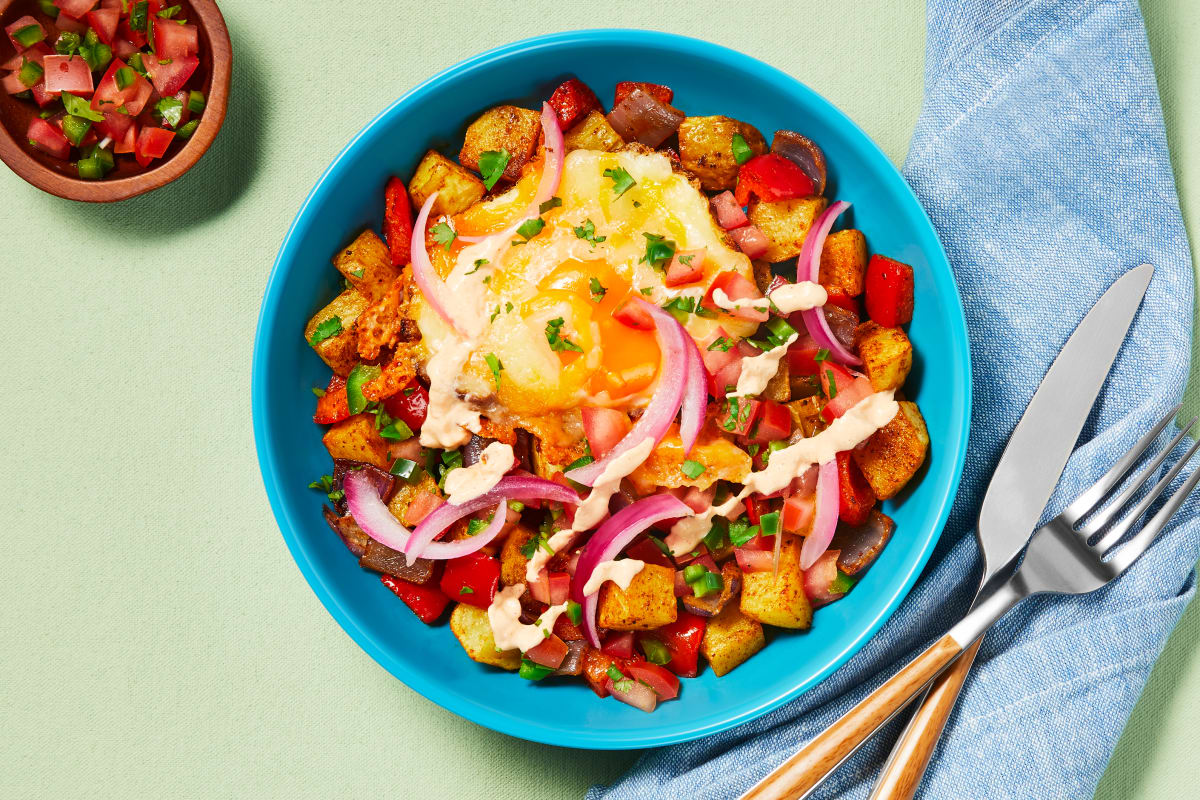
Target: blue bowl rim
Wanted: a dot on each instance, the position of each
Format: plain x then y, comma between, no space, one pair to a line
430,689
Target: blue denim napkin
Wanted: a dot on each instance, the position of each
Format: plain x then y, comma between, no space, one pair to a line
1041,157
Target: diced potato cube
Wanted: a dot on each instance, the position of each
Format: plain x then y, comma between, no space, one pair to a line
340,352
357,439
844,261
887,355
648,602
593,133
509,128
471,627
512,561
895,452
762,275
730,638
786,223
779,388
457,187
778,598
706,149
721,459
367,264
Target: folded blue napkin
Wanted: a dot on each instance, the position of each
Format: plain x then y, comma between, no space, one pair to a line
1041,157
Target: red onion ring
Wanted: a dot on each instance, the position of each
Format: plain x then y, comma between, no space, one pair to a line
514,487
664,404
430,283
824,518
808,267
611,538
695,396
552,169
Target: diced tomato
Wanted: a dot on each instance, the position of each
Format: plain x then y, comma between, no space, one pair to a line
604,427
686,267
774,422
717,356
663,94
645,550
122,48
41,96
848,390
567,630
114,125
12,84
889,291
427,602
740,418
803,361
21,23
772,177
819,578
857,497
35,53
136,38
618,644
729,213
549,652
128,143
76,9
662,681
682,638
67,74
754,560
152,143
176,41
595,668
551,588
109,98
397,221
836,297
725,379
631,314
471,579
735,287
67,25
798,512
48,139
420,507
104,23
169,78
410,404
572,101
334,405
751,240
693,497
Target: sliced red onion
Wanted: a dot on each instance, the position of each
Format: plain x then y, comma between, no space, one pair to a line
695,395
664,404
513,487
824,518
640,117
432,287
808,268
552,169
611,538
371,513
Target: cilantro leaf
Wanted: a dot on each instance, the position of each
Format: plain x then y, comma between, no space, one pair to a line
531,228
597,289
491,166
326,330
78,107
622,180
557,341
587,232
659,250
496,366
444,235
553,202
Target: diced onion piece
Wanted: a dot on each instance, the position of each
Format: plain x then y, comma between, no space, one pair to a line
695,395
635,693
642,118
808,268
826,516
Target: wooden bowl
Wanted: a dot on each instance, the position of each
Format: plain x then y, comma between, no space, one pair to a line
127,180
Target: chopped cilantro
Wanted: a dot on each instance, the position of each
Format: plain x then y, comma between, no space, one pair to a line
444,235
597,289
397,430
741,531
468,589
553,202
721,343
622,180
557,341
587,232
574,612
326,330
531,227
687,260
659,250
78,107
491,166
832,384
496,366
325,484
479,262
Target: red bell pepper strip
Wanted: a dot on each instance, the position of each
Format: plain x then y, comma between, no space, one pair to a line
889,291
427,602
572,101
663,94
836,297
397,221
857,497
334,405
772,177
471,579
682,638
410,404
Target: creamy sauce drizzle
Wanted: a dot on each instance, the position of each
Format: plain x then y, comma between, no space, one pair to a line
726,302
504,616
619,572
800,296
467,483
757,371
449,421
844,433
558,542
595,505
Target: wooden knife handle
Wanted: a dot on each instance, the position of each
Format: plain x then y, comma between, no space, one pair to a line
902,774
803,771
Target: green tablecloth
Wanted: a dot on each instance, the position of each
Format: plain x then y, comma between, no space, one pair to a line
156,638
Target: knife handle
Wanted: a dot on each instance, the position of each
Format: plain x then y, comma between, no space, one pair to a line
802,772
901,775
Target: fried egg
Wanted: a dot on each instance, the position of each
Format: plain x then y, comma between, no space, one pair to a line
539,311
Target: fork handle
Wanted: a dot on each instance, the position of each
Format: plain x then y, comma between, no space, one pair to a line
802,772
901,775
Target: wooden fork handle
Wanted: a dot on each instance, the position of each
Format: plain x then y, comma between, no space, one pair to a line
902,774
803,771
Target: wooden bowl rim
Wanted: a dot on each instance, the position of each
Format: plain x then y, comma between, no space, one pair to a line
108,191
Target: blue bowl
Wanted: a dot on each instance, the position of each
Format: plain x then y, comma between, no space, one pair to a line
349,196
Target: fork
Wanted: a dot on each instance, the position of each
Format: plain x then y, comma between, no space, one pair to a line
1074,553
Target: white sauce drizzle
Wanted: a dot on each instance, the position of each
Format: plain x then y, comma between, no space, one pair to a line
467,483
504,616
595,505
800,296
619,572
844,433
449,421
558,542
726,302
757,371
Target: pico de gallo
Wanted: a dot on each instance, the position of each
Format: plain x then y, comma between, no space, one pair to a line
116,81
611,390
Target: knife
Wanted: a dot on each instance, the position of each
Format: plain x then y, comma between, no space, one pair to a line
1024,480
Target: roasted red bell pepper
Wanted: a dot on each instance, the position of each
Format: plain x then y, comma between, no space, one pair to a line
410,404
572,101
772,177
857,497
334,405
427,602
889,291
836,297
617,644
566,630
663,94
645,550
682,638
471,579
397,221
774,422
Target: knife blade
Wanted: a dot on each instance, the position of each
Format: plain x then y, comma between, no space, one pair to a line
1044,438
